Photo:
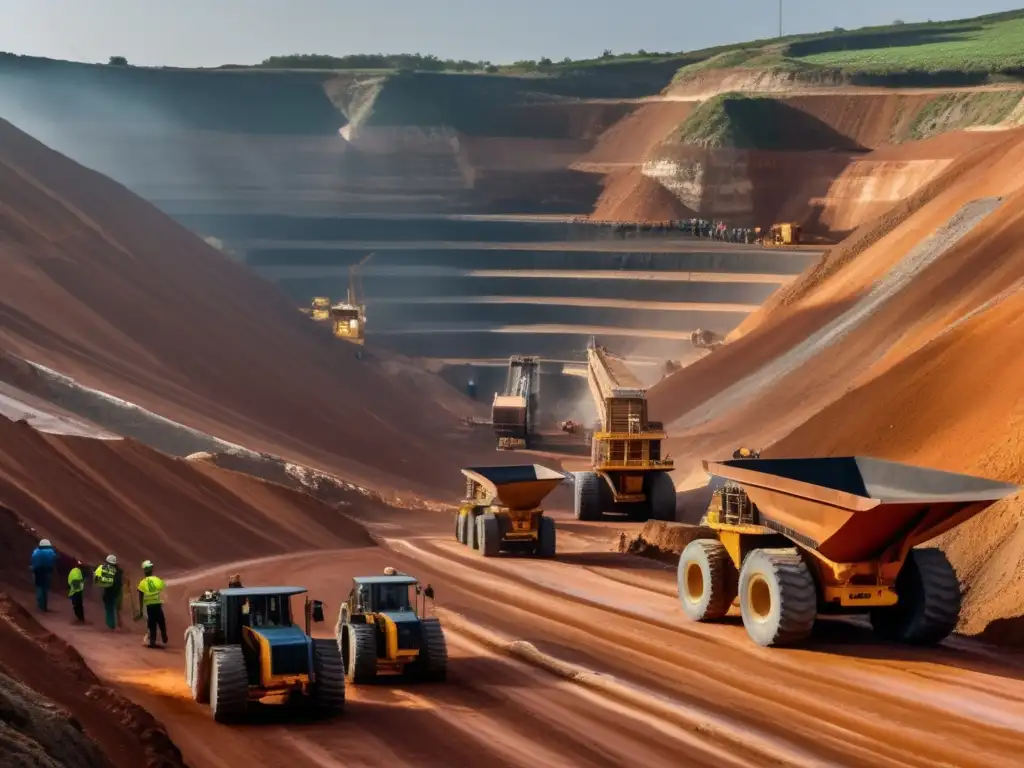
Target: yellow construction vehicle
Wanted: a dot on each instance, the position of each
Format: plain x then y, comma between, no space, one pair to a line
242,645
629,473
348,318
798,538
502,512
787,233
319,308
383,628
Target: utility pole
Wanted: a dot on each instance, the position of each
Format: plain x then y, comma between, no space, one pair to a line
780,18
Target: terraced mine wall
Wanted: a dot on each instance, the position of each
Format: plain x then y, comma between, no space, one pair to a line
458,287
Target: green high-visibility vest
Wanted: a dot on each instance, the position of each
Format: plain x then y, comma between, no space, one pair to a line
76,581
152,588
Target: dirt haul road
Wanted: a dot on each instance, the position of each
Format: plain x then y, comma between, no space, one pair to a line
605,672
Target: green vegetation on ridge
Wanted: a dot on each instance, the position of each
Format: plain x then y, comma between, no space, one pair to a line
737,121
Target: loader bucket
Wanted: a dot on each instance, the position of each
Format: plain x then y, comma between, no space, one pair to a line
521,486
853,508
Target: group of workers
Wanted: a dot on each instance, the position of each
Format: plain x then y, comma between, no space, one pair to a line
108,576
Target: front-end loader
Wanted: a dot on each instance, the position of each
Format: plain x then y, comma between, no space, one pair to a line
799,538
502,512
382,629
243,646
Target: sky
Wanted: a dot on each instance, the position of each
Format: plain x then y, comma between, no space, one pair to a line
192,33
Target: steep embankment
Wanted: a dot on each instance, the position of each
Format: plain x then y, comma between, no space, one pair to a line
829,161
92,497
858,356
103,287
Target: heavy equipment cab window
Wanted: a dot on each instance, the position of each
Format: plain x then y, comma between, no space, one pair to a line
263,611
392,597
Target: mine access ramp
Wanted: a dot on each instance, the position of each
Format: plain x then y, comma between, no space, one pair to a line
799,537
629,474
514,412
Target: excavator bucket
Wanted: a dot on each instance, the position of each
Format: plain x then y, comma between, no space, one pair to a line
516,487
851,509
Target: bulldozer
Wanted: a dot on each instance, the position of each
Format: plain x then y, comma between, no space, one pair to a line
381,630
502,512
787,233
243,646
798,538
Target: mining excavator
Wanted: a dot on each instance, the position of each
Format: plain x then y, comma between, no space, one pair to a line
348,318
514,412
629,474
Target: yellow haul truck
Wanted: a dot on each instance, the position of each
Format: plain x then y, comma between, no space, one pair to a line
799,538
629,474
502,512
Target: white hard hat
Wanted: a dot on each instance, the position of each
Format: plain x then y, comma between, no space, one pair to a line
389,571
112,559
45,543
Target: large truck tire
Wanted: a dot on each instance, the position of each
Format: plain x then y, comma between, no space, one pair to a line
229,685
488,534
432,664
588,496
706,579
359,653
661,496
929,601
328,689
778,598
197,670
546,537
472,532
460,528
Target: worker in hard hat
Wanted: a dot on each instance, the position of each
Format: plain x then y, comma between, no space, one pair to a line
110,578
42,563
235,581
76,591
151,600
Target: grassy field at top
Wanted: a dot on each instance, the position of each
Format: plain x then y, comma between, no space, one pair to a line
993,47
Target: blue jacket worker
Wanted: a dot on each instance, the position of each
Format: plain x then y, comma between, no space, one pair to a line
43,564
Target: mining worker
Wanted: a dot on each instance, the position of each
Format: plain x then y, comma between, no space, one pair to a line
76,591
42,563
471,389
235,581
151,600
110,578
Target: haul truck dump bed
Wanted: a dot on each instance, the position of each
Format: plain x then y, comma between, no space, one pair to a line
801,537
502,510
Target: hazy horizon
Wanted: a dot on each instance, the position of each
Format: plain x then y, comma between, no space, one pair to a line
191,33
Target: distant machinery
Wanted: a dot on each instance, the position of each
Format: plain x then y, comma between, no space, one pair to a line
787,233
514,413
702,339
348,318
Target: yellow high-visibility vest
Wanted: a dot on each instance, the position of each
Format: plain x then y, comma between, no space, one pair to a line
152,588
105,575
76,581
